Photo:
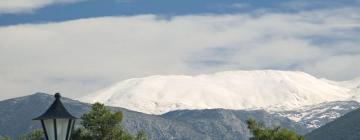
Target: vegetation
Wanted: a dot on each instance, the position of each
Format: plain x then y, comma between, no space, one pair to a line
260,132
35,135
5,138
101,124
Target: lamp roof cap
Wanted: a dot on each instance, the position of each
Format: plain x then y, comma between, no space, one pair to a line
56,111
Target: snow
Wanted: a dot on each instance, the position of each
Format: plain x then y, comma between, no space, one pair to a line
337,108
266,89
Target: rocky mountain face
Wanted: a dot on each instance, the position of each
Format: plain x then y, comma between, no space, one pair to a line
314,116
220,124
346,127
205,124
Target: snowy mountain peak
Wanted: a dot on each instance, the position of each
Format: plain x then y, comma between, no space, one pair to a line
267,89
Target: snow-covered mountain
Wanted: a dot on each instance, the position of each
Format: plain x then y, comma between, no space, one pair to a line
262,89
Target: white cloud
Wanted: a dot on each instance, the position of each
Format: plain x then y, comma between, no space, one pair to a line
340,67
21,6
79,56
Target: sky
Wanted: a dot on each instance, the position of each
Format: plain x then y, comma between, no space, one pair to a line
76,47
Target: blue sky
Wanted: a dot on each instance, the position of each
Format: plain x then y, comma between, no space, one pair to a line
55,12
80,46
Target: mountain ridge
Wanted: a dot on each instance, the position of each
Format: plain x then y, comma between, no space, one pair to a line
17,115
205,124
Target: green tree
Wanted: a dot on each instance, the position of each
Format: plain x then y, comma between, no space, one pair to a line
35,135
101,124
260,132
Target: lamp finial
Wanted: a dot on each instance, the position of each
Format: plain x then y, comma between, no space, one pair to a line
57,95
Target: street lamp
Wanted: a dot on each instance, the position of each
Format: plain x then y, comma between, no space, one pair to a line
57,122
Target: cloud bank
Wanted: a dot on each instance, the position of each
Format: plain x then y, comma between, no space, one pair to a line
80,56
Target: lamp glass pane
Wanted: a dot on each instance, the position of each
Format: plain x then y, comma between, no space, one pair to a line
71,127
62,125
49,126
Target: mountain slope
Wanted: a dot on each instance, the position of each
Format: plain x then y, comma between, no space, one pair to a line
266,89
215,124
314,116
346,127
229,124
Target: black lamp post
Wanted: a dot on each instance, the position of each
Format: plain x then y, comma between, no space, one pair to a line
57,122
